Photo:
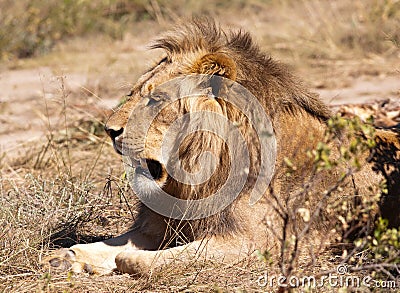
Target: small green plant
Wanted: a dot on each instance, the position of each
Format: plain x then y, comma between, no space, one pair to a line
382,246
357,136
347,144
385,242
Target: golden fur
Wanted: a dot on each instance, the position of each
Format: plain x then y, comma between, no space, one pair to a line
298,118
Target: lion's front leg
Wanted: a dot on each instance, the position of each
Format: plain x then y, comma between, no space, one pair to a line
141,261
98,257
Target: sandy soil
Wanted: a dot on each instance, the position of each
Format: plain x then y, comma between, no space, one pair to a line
363,89
32,103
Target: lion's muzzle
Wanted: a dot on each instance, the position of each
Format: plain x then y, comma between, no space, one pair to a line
115,133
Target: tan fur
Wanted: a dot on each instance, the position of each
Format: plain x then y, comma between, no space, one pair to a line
298,119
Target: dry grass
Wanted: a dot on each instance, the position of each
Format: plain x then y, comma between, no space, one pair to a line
59,193
338,29
69,186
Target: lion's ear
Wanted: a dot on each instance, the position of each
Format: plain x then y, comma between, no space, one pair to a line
216,64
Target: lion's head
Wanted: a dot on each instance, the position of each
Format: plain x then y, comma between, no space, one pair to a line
201,47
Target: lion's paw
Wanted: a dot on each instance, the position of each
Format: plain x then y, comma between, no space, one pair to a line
65,260
135,262
62,259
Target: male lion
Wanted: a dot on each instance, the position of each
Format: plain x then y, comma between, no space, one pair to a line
298,119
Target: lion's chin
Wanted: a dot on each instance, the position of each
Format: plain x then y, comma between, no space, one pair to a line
117,148
144,184
148,174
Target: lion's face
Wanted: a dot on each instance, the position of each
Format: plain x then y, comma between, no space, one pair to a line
139,127
148,96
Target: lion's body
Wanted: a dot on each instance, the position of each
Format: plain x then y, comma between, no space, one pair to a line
299,121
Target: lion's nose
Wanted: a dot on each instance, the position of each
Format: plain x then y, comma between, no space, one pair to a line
113,132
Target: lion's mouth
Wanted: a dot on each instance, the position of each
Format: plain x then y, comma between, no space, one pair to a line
153,167
149,168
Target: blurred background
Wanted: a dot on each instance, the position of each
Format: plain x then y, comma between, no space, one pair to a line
308,28
98,36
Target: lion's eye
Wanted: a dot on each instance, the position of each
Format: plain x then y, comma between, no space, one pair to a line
130,94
